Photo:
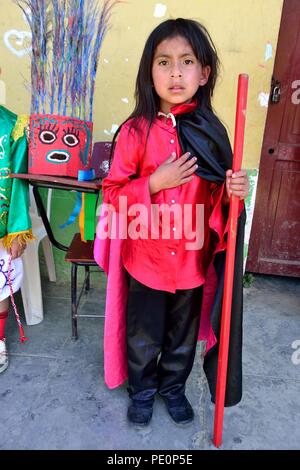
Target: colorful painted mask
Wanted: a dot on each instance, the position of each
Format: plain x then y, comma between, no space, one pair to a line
59,145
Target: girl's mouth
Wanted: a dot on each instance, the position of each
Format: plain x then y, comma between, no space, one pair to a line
176,88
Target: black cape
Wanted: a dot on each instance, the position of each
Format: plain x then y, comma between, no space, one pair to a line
203,135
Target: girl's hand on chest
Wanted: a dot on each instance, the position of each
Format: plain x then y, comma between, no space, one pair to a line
172,173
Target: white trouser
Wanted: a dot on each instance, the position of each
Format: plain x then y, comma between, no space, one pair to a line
16,274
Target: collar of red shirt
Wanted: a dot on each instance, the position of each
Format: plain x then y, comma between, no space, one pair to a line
176,110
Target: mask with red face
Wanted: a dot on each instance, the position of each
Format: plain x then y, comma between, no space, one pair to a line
59,145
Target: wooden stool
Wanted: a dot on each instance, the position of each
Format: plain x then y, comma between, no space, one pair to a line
80,254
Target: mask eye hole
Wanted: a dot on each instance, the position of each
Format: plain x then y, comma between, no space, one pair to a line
71,140
47,136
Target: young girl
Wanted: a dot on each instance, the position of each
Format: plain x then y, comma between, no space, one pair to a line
172,154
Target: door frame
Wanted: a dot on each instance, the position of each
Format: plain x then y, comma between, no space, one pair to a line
287,32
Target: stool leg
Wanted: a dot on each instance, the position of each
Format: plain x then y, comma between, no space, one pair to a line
87,282
74,300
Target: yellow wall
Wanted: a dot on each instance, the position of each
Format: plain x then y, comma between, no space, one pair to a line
239,28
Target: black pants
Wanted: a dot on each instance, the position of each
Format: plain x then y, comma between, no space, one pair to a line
160,324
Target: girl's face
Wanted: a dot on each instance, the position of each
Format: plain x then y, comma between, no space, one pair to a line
176,72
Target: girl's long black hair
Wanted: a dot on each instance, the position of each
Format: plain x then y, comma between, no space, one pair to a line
146,99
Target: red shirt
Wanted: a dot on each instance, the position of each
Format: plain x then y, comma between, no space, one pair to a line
164,264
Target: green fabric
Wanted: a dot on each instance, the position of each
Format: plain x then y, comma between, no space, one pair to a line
90,201
14,198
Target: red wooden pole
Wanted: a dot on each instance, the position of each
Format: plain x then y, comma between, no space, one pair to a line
229,267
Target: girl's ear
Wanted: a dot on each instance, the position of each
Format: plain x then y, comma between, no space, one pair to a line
204,75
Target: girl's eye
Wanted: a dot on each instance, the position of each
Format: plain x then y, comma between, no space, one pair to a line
47,137
71,140
162,62
188,61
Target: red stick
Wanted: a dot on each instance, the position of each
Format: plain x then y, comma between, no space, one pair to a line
229,267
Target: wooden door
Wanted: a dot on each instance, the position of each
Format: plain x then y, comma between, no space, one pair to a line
274,246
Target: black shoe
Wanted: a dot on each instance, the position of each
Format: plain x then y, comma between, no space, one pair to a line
179,409
140,413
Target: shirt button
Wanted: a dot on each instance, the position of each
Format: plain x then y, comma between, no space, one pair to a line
174,229
173,201
172,141
173,253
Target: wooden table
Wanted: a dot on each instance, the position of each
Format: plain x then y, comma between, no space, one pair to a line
56,182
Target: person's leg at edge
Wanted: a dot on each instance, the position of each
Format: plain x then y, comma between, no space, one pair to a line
178,352
3,318
145,328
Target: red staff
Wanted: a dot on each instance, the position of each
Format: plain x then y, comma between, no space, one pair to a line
229,267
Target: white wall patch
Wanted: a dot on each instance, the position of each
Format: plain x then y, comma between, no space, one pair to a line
160,10
2,92
268,51
263,99
15,41
28,13
114,128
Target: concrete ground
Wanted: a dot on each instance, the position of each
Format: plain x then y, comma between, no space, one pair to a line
53,395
